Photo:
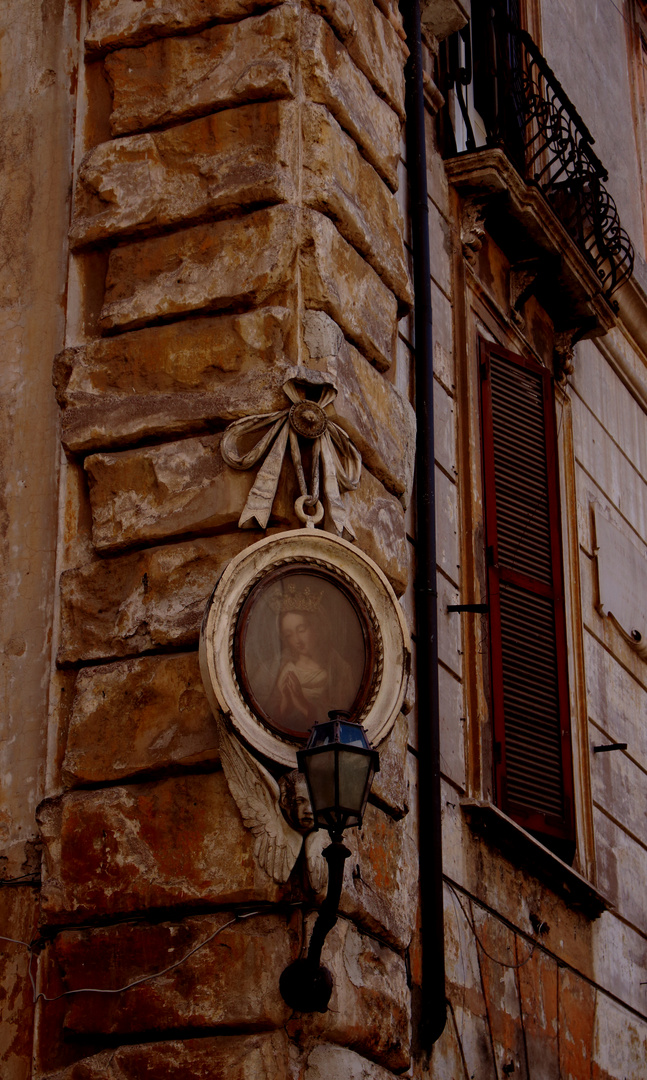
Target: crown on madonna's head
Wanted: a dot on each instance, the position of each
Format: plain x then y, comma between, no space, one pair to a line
294,598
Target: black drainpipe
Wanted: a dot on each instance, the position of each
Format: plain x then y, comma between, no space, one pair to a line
431,1007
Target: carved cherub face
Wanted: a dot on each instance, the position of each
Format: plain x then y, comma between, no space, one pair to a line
295,802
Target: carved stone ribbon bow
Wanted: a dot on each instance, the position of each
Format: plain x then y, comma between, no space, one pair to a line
334,458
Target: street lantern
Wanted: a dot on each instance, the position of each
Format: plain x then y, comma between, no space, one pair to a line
339,766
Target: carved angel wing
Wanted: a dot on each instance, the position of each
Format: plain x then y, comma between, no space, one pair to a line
256,793
315,842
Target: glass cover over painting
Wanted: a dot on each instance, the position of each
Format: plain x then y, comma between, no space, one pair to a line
303,647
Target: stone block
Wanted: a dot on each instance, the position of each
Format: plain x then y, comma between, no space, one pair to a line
171,842
390,790
448,555
262,1056
500,991
377,519
332,79
327,1061
206,267
615,701
616,786
335,279
446,1061
180,487
145,600
452,728
376,416
441,241
153,493
577,1007
449,627
207,168
380,890
619,1041
180,77
341,184
538,993
137,716
444,429
373,43
230,982
619,960
246,260
18,920
169,380
370,1005
621,868
114,23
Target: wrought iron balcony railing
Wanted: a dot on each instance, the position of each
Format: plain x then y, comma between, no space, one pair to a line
504,86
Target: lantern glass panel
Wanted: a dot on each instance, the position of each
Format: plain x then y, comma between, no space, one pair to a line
321,777
352,735
354,772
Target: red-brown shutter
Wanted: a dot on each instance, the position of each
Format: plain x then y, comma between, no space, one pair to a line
533,765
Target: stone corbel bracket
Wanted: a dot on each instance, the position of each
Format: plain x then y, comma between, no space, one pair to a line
473,227
336,463
524,279
563,353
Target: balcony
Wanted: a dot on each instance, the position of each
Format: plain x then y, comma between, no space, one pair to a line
510,134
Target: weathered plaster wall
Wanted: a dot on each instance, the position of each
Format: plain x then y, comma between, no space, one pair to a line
37,83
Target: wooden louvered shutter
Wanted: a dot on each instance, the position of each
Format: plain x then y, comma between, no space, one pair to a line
533,767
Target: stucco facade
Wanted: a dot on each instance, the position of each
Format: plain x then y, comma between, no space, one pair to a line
199,197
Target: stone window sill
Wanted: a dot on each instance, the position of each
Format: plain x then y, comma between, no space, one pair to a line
525,851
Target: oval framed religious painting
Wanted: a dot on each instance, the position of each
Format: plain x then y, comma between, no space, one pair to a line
298,625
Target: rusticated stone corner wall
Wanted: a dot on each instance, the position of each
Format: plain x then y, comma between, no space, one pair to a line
236,212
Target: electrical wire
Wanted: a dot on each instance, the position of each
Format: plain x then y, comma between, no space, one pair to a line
136,982
495,960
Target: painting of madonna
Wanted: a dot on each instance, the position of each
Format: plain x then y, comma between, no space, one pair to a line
303,651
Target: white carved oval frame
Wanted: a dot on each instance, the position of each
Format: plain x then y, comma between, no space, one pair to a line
359,573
